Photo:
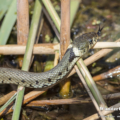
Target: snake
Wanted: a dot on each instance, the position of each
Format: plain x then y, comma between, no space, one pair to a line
79,47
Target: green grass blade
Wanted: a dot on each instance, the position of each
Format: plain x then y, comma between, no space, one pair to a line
48,5
4,5
8,102
74,5
8,23
27,56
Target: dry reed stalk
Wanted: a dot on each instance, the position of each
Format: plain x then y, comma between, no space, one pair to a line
47,48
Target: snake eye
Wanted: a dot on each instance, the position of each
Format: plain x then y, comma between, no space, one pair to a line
90,41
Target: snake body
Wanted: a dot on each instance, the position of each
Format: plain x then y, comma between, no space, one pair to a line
76,49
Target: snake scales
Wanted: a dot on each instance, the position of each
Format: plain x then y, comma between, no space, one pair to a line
76,49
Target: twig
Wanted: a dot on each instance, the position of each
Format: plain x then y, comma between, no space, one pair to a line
110,73
49,48
70,101
107,45
22,22
57,102
47,102
65,27
64,42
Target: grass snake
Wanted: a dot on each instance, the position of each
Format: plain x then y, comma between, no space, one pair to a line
76,49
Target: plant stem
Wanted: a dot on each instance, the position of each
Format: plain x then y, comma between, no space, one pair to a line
27,57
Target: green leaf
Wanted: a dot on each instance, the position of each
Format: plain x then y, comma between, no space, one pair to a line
8,23
4,5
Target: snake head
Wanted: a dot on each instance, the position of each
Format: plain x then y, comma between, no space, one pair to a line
80,46
83,43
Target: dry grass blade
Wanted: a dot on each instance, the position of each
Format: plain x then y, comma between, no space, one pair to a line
89,92
110,73
6,97
93,88
57,102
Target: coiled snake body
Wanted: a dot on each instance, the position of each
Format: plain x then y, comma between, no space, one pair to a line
76,49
